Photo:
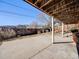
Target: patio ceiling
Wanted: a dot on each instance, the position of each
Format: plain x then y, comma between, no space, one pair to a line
66,11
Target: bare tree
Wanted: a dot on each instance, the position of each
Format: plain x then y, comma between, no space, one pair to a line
34,24
45,19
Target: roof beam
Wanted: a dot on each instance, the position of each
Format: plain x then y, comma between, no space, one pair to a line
66,11
52,6
63,7
73,7
46,3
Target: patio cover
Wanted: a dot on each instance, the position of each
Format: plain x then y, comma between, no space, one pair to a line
66,11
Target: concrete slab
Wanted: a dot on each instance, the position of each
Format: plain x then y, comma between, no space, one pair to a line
37,47
58,51
24,47
64,48
66,37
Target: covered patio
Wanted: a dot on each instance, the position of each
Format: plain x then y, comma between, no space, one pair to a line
66,11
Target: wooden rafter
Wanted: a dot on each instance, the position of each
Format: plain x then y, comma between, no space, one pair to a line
66,11
46,3
64,7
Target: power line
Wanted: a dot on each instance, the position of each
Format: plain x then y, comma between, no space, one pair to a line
1,1
13,13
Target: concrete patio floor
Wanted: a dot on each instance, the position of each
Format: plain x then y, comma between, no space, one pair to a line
58,51
37,47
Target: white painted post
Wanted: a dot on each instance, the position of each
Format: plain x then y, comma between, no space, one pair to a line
62,30
52,29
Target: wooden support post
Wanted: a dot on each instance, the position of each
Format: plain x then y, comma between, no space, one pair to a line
52,29
62,30
78,24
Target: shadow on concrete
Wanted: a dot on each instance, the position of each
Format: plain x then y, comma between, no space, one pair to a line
62,42
1,43
77,46
40,51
